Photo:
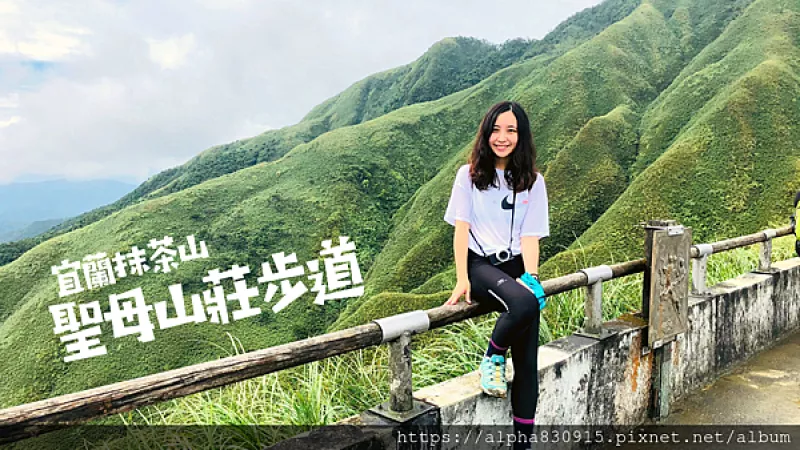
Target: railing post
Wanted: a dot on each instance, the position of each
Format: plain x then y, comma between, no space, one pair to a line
593,308
700,269
593,304
396,331
400,368
765,253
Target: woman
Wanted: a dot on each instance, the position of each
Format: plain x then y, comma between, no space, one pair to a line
496,247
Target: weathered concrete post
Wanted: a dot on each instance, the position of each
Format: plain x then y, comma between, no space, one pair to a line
765,253
400,368
665,301
700,269
593,308
662,376
396,331
593,305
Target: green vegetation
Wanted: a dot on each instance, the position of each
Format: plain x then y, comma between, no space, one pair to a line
719,142
588,176
680,109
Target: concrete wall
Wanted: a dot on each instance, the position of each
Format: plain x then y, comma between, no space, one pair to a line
741,317
584,381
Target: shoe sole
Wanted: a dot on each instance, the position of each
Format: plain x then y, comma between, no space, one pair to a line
499,393
494,392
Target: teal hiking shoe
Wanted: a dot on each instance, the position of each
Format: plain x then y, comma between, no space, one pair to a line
493,376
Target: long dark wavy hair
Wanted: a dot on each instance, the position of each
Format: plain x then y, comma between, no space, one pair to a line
521,168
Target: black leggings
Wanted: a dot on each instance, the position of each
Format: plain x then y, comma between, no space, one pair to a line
517,327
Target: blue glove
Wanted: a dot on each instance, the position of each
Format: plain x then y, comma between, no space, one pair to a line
535,287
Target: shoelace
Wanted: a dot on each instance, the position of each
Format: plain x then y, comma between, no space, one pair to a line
498,373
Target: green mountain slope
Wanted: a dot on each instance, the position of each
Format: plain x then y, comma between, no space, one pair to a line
449,66
723,62
587,177
730,158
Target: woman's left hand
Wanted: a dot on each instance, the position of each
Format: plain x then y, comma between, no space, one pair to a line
541,298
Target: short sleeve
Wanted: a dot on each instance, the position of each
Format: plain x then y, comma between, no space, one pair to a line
460,205
537,218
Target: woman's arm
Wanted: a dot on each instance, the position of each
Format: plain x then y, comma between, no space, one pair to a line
460,248
530,254
530,257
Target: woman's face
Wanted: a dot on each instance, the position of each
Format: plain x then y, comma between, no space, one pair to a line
503,139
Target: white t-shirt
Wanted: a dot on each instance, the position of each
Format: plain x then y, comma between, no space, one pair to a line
489,221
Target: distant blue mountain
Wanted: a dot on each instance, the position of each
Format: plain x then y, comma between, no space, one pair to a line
30,230
49,202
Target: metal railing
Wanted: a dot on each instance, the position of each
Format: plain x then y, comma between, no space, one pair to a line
30,419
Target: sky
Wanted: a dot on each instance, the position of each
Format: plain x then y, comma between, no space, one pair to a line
93,89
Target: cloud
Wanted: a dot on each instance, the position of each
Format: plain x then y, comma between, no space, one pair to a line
8,7
11,101
9,122
127,89
33,34
51,42
6,46
171,53
225,4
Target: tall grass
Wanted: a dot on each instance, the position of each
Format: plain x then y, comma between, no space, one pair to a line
327,391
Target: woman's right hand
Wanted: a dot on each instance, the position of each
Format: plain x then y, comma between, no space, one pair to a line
462,288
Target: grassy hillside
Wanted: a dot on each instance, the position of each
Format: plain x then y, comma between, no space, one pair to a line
722,139
595,100
589,174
